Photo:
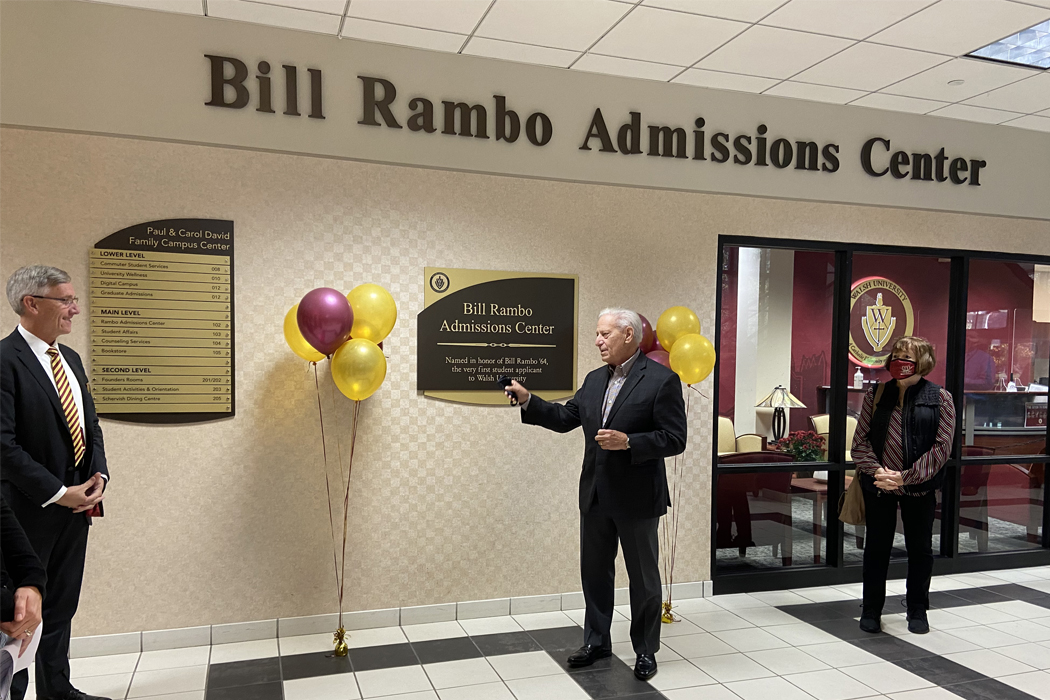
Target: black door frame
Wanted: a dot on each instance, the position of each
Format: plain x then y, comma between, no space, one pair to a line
834,571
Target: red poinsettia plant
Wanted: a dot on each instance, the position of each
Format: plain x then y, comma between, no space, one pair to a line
803,445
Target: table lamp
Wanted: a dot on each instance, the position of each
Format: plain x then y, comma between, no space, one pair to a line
778,400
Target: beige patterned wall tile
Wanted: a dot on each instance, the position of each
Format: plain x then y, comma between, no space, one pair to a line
228,522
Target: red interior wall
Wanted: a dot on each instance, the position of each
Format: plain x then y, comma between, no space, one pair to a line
993,286
727,339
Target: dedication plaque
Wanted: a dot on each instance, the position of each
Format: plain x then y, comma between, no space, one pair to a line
479,325
162,325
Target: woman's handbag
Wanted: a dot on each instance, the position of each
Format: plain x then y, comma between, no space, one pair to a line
851,504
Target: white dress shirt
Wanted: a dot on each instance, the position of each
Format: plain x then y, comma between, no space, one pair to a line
40,348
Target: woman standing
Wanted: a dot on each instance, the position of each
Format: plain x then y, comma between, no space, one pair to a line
903,439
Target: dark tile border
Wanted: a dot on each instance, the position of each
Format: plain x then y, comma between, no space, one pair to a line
612,678
836,619
261,679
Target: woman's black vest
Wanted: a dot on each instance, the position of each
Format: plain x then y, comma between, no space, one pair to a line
920,421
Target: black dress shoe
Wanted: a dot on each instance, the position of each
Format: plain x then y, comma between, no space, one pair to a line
587,655
871,623
917,621
76,695
645,667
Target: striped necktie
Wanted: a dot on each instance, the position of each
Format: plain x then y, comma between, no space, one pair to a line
69,406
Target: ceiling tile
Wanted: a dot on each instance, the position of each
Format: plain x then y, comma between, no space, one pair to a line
974,114
1028,95
591,63
186,7
957,27
772,53
896,103
743,10
332,7
459,16
401,35
977,77
649,34
870,67
1031,122
274,15
855,19
817,93
1045,113
564,24
523,53
724,81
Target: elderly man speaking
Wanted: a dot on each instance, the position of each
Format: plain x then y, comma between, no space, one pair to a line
633,416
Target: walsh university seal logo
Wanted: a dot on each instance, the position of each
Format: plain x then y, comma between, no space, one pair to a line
439,282
879,312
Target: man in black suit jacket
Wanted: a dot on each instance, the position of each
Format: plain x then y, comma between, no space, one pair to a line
54,462
633,416
22,580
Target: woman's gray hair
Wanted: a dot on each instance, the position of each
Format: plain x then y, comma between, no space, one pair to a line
624,318
31,280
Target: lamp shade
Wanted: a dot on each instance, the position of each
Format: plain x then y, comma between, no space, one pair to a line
780,398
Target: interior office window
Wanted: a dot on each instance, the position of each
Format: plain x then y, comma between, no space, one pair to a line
1007,366
775,332
891,296
1005,405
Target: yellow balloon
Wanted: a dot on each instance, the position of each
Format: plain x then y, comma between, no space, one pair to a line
674,323
295,339
693,358
358,368
375,312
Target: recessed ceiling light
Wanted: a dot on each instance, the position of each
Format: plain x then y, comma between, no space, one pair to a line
956,82
1028,47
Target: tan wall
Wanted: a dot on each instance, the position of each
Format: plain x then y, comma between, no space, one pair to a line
226,521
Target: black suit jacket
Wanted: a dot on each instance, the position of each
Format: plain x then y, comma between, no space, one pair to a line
19,564
36,449
650,409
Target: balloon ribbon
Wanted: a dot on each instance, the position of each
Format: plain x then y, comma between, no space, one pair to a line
340,634
670,531
339,564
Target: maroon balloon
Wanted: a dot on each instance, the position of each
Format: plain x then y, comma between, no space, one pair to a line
656,345
660,356
647,336
325,319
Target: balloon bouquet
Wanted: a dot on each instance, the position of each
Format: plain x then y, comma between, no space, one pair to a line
678,345
348,330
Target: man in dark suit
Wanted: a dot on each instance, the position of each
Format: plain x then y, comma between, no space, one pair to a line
54,462
22,580
633,416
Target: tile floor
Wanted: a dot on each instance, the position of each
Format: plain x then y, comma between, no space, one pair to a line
990,641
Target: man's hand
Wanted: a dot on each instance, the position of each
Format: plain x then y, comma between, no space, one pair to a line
888,480
85,496
519,392
27,616
611,440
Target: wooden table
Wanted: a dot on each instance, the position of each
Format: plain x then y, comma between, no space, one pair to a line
817,491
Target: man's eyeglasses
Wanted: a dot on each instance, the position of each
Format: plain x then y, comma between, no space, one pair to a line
64,301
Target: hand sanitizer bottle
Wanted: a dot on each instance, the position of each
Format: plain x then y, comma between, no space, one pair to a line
858,379
1012,386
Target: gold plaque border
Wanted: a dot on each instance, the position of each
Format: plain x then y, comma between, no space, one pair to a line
460,279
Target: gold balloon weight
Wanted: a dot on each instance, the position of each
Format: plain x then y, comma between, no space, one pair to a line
340,642
668,617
